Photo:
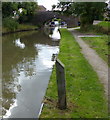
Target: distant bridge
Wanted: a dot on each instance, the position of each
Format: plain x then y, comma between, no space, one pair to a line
43,16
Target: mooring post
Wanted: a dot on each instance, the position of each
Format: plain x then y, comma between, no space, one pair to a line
60,75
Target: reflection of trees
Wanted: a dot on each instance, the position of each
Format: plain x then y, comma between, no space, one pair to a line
15,59
38,38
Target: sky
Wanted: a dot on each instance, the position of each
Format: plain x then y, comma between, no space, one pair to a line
47,3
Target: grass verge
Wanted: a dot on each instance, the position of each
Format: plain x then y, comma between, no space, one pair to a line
20,27
85,94
26,26
105,24
100,45
102,28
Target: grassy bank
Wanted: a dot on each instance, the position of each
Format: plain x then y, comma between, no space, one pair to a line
12,25
85,95
19,28
101,28
105,24
100,45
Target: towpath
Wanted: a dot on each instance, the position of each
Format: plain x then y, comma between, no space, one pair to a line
98,64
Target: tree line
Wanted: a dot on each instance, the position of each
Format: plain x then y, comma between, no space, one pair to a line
87,11
15,14
23,11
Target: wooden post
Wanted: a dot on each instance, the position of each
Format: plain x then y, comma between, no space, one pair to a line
60,75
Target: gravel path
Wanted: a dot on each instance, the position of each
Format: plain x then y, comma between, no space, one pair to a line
98,64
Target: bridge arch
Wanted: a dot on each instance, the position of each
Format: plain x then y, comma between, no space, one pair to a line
43,16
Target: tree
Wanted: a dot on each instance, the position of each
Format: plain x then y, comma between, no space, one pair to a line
53,7
8,8
87,11
63,7
29,9
107,13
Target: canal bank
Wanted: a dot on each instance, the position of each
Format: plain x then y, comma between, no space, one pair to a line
21,28
27,66
85,93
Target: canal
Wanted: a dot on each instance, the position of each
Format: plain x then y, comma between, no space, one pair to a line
26,69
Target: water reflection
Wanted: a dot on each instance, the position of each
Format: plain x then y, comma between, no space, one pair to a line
26,68
55,34
52,32
19,44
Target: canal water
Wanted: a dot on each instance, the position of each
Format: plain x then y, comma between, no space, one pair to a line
27,66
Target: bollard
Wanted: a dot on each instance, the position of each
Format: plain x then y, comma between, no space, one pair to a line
60,75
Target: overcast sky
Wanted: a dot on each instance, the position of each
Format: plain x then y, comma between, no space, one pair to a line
47,3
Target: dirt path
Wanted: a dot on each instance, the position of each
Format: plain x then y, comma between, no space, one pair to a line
98,64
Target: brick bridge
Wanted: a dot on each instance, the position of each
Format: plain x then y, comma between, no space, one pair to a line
43,16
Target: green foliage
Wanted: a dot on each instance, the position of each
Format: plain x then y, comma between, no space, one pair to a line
88,8
10,24
20,27
87,11
8,8
28,10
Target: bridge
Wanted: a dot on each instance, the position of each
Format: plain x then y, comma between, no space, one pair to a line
43,16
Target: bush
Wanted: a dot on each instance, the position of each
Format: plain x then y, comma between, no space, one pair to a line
10,24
